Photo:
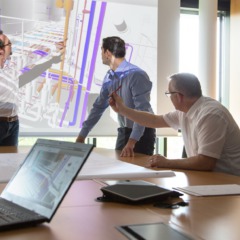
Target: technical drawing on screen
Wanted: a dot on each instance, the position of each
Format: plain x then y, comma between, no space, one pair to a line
57,100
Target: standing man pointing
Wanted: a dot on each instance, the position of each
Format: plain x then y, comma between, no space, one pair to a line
9,89
9,123
134,86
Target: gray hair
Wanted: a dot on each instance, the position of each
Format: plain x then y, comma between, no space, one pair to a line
187,84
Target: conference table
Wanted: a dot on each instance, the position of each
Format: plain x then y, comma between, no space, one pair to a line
80,216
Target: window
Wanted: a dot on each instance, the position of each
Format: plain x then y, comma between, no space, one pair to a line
188,56
189,46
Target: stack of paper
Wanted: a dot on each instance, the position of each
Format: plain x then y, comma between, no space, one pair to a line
211,190
97,166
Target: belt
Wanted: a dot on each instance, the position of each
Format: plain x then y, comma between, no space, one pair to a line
9,119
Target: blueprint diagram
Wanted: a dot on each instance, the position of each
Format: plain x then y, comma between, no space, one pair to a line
58,100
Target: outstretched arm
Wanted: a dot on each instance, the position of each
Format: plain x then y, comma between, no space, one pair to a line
38,69
143,118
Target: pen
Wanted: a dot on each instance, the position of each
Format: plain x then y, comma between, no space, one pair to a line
110,95
118,88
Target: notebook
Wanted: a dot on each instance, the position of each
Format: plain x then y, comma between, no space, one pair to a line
37,188
211,190
152,231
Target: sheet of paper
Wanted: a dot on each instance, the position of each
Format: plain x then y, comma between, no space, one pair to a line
211,190
9,162
97,166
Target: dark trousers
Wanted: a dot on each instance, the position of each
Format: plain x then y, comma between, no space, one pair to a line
9,133
145,144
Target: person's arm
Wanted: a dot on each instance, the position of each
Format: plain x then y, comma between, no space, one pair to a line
199,162
143,118
38,69
80,139
99,106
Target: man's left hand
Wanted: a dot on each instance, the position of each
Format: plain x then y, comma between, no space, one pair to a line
128,149
158,160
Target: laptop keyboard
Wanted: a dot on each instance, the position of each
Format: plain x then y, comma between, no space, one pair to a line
11,213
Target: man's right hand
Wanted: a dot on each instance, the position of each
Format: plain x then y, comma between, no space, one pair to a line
115,102
80,139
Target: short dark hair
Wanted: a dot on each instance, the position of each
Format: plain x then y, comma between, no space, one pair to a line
187,84
115,45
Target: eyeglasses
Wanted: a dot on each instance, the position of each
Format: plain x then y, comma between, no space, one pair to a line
168,94
2,45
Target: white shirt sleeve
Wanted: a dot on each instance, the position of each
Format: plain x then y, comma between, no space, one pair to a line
172,119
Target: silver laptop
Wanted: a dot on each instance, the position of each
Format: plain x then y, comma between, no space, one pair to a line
36,190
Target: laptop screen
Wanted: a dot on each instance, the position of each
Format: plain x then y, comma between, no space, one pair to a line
46,174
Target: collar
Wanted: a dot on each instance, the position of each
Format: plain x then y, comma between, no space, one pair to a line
121,66
110,74
194,107
121,70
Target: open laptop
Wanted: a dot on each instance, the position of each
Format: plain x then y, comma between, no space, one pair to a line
36,190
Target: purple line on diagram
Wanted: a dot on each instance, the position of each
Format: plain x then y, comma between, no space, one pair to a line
94,57
67,104
129,46
84,60
41,53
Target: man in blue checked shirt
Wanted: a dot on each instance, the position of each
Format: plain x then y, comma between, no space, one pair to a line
134,86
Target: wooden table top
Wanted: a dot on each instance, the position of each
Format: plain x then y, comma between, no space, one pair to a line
81,217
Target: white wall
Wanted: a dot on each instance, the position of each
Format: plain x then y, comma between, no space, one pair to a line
207,46
168,54
234,97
